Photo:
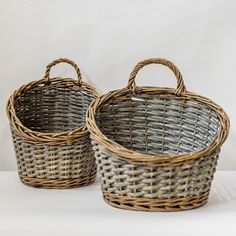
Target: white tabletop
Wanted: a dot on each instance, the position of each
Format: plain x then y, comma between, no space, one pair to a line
82,211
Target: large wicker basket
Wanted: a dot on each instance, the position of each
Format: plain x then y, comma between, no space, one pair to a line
156,148
51,141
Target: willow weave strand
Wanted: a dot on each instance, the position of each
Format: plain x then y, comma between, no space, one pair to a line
156,148
51,140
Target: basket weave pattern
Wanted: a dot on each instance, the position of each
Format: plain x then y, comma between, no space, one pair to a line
174,186
51,141
156,148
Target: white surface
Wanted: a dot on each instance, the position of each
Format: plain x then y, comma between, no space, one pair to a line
107,38
82,211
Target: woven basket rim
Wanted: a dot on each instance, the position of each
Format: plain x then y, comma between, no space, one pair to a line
131,156
121,152
47,137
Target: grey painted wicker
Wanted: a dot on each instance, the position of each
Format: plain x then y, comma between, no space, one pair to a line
156,148
51,141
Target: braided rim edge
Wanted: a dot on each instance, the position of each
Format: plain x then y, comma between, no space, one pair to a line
123,153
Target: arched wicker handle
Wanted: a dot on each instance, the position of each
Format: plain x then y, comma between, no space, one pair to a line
62,60
180,83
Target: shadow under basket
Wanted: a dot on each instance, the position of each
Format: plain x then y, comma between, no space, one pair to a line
156,148
51,141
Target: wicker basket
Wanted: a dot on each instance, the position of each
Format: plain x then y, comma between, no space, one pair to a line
156,148
51,140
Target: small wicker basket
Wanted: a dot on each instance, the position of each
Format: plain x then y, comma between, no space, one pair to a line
156,148
51,140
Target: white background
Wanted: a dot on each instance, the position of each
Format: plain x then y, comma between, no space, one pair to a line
107,38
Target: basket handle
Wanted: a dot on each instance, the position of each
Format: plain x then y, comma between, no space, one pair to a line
180,83
62,60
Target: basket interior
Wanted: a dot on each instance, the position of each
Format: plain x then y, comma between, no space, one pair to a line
53,109
158,124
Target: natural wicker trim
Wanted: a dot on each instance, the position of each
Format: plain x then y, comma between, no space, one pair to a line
62,60
58,183
180,83
49,138
121,152
147,204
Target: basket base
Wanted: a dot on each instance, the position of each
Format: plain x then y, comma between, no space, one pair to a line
147,204
57,183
